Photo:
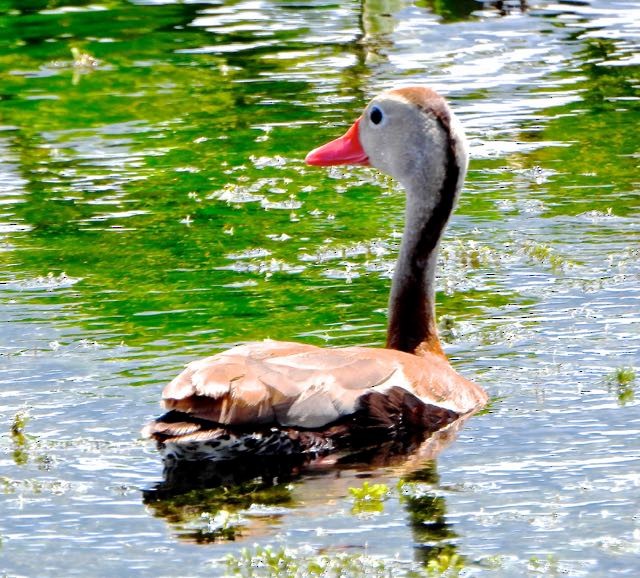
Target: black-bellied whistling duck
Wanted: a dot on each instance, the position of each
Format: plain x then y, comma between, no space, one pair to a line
280,398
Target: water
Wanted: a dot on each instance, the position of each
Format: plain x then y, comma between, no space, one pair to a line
154,207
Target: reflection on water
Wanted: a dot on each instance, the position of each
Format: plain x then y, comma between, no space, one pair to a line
240,500
211,502
154,207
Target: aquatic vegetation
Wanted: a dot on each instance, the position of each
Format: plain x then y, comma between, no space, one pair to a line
82,59
7,485
216,514
624,376
469,254
20,443
408,490
545,567
492,404
265,562
545,254
369,498
34,486
17,427
447,563
283,562
168,109
621,381
495,562
211,527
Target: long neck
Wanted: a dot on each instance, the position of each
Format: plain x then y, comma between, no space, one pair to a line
431,196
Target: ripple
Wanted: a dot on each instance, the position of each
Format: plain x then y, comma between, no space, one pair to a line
49,282
537,285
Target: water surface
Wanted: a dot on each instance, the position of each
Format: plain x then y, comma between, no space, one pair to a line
155,207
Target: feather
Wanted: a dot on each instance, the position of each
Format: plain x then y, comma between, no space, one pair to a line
214,380
313,408
321,398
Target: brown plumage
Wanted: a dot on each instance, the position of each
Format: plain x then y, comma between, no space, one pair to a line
274,397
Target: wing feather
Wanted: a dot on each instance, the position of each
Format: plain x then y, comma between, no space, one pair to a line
297,385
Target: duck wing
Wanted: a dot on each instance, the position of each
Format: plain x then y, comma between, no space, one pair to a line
278,383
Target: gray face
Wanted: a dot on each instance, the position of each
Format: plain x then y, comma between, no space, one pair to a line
402,139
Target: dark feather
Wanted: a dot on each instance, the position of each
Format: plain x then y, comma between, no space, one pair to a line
395,414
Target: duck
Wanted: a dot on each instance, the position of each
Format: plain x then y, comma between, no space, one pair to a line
280,398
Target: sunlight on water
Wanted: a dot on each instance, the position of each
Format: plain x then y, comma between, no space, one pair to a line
155,207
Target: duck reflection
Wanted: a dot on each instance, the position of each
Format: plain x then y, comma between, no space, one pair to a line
209,502
379,20
380,17
433,536
241,499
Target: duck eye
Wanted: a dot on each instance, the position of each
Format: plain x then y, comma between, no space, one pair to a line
375,115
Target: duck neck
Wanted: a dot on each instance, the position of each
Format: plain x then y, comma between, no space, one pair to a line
431,197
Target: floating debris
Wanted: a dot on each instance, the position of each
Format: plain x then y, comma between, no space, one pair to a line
347,274
535,174
376,248
289,204
280,237
262,162
235,194
50,282
267,267
83,60
598,216
249,254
